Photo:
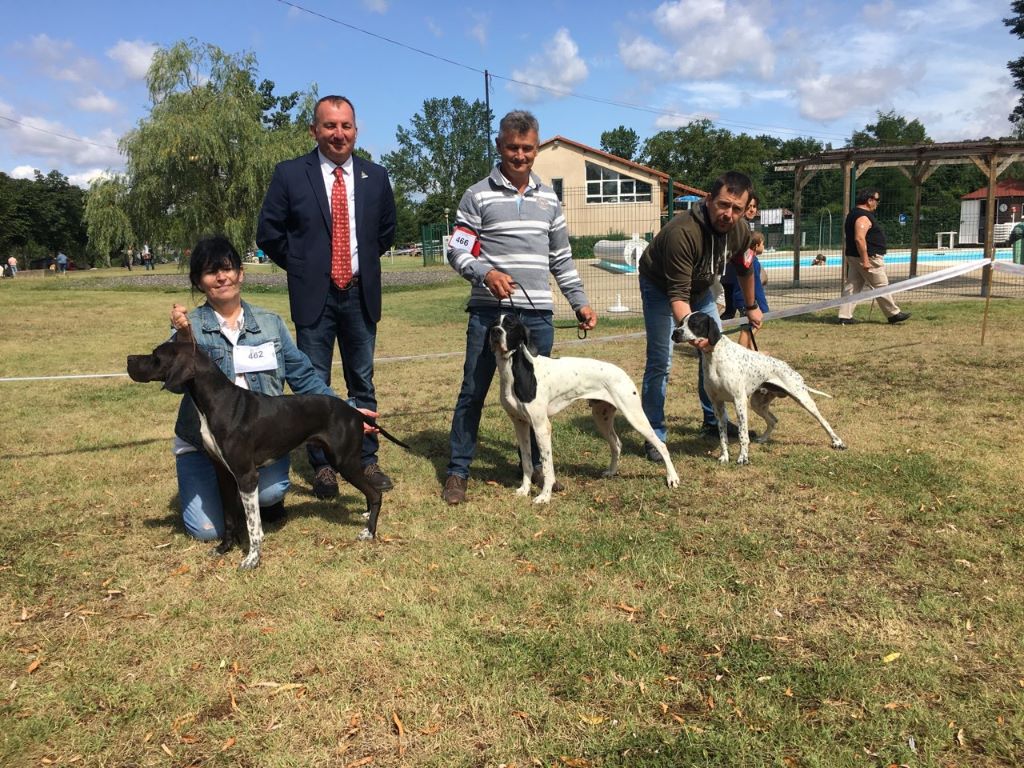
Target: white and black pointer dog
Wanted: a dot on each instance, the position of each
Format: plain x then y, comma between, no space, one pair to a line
535,388
243,431
734,374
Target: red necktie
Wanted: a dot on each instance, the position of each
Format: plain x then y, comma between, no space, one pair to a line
341,248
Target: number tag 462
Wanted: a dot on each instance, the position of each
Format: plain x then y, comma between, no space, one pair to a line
254,359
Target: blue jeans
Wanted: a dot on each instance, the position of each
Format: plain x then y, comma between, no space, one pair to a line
659,324
201,507
477,374
345,321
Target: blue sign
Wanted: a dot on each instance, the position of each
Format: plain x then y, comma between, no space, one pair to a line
903,219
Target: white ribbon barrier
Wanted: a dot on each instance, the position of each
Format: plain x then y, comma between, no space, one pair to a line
903,285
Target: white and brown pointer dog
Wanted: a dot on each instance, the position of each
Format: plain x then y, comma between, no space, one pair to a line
243,431
734,374
534,388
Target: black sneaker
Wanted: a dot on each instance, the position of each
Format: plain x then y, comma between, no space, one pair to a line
652,453
710,432
848,321
325,483
273,513
376,476
537,478
899,317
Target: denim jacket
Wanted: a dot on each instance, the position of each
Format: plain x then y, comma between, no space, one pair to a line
261,326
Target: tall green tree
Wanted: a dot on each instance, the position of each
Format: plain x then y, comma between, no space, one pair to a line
440,154
1016,67
622,142
698,153
109,227
890,130
201,160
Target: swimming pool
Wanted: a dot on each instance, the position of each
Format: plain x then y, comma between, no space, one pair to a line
895,257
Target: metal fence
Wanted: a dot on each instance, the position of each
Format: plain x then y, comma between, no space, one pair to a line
611,281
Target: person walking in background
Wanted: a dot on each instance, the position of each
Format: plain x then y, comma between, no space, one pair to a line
62,263
864,260
147,257
677,273
12,267
509,235
326,219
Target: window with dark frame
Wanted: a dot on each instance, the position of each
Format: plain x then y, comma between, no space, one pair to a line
607,186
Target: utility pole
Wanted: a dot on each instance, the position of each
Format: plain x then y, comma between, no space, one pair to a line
487,106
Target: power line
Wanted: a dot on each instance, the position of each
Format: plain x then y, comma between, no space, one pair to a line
77,139
549,89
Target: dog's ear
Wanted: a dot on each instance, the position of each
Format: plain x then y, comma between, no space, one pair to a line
184,335
180,365
713,335
524,380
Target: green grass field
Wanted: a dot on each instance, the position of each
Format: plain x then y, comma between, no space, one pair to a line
816,608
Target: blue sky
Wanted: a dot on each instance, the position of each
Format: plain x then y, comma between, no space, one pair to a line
783,67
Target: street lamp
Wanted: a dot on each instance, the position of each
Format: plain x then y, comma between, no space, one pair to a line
447,230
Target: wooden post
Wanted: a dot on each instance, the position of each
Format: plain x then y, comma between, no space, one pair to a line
990,222
798,193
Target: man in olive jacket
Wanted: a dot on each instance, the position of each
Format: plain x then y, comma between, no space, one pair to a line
679,272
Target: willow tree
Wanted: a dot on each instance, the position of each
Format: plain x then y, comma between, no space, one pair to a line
200,162
107,224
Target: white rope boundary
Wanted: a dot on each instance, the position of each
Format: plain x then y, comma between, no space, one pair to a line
804,309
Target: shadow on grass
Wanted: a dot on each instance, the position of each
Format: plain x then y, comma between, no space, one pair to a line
89,449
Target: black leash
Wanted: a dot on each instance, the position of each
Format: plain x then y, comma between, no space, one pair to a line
581,333
750,329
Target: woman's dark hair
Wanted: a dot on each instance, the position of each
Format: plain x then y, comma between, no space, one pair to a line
210,254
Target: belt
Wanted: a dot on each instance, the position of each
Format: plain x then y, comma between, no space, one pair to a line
353,283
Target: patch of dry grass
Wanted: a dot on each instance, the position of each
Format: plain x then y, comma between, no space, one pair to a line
816,608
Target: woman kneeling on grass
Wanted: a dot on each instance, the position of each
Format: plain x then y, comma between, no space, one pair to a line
223,327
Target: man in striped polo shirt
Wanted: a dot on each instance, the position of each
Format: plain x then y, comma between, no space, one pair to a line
509,234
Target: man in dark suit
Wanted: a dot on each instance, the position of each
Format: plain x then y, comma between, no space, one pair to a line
327,218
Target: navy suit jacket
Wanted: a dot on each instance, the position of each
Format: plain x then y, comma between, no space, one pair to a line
295,231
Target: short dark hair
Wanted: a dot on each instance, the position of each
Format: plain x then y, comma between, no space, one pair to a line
734,182
335,100
516,122
863,195
754,199
210,254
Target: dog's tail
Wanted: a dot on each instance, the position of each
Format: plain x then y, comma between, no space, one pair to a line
818,391
373,423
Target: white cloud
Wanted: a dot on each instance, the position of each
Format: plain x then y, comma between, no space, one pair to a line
703,39
54,145
96,102
56,59
376,6
23,172
85,178
828,97
640,54
558,67
434,27
134,56
478,30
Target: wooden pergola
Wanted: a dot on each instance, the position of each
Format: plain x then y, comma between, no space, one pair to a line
917,162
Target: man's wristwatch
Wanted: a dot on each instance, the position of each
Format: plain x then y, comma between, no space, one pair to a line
753,305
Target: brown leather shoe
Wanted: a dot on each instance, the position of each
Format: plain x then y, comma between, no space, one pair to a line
376,476
325,483
537,478
454,490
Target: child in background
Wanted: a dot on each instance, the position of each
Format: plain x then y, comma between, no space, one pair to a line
734,300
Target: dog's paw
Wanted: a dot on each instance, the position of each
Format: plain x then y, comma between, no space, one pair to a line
761,439
249,563
609,473
839,445
673,481
542,498
365,535
723,459
523,490
743,459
